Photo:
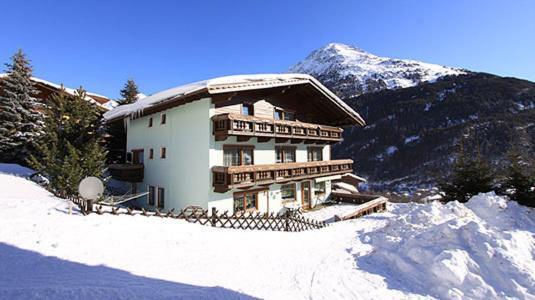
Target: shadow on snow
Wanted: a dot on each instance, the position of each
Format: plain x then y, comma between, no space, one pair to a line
29,275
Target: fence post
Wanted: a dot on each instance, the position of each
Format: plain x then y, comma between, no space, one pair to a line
287,220
214,216
89,206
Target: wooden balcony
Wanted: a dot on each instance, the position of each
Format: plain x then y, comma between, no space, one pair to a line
245,127
127,172
240,177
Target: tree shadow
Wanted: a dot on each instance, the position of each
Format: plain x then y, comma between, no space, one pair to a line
29,275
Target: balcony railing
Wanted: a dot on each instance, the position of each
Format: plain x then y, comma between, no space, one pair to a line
127,172
226,125
226,178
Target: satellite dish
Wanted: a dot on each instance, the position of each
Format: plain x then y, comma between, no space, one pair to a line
91,188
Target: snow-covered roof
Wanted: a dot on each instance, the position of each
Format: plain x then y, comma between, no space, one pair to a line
91,97
230,84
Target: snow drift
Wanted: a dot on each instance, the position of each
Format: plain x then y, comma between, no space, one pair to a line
483,249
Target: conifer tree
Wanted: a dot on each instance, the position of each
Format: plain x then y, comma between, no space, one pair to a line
71,148
21,119
519,182
129,93
470,175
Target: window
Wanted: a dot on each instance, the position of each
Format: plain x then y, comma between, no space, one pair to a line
284,154
315,154
151,153
245,201
150,122
161,197
151,195
247,109
319,189
237,155
163,119
289,116
281,114
163,152
137,156
278,114
288,193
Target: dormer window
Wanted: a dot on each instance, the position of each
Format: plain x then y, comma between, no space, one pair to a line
281,114
247,109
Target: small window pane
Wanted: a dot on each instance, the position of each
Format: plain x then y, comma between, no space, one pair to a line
231,157
278,114
315,154
238,202
247,109
319,189
161,197
151,195
289,155
250,201
288,192
289,116
278,155
247,156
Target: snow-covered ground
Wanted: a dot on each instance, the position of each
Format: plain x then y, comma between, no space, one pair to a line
482,250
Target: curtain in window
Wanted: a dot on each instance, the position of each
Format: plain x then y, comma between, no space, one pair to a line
231,157
247,156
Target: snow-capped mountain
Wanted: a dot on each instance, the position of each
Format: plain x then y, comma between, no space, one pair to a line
351,71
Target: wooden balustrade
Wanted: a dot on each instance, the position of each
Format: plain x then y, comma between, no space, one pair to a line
127,172
226,125
226,178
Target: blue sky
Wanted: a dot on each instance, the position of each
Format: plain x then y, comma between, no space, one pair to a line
161,44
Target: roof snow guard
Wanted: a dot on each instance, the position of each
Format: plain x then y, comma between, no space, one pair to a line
227,84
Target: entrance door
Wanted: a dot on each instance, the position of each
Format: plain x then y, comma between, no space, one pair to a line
305,194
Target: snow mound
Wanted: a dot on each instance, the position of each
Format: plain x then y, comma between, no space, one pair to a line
483,249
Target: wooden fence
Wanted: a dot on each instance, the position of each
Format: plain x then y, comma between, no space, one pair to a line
288,221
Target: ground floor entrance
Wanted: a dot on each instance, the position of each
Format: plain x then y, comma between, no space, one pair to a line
305,194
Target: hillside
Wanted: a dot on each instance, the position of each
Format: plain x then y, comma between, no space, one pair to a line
483,249
416,112
412,132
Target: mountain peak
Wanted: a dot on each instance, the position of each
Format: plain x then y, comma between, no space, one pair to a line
346,68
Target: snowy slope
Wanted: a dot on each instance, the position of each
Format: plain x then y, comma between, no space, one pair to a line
482,250
362,72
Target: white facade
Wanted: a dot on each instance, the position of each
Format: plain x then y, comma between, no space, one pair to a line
191,152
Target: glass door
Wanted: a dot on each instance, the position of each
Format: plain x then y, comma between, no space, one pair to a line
305,194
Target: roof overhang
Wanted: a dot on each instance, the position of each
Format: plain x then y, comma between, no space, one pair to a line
229,84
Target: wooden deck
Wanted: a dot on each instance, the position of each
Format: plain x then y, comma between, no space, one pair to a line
127,172
241,177
376,205
245,127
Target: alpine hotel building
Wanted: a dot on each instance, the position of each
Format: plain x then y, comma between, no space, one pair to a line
248,142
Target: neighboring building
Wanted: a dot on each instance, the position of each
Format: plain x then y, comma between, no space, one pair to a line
250,142
47,88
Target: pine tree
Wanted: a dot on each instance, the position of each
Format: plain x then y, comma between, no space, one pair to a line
470,175
519,182
20,111
71,148
129,93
